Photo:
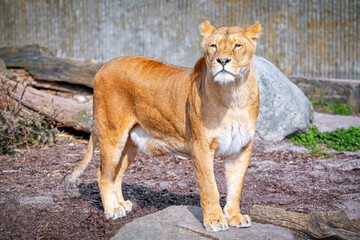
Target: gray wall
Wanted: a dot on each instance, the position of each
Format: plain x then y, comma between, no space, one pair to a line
318,38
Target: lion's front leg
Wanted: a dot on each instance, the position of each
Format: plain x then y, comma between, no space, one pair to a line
235,170
214,218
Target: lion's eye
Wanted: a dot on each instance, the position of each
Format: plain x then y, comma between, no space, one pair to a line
237,46
213,46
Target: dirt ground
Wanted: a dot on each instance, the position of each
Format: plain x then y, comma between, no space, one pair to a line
35,203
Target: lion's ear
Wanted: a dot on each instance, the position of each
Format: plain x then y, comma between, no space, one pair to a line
206,29
254,31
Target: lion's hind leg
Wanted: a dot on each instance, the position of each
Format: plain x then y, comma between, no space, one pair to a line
127,157
112,145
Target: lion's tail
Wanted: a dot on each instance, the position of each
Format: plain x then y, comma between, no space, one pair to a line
71,179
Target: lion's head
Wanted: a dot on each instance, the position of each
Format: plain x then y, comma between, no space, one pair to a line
229,50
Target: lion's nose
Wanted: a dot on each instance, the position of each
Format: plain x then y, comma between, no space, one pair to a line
223,61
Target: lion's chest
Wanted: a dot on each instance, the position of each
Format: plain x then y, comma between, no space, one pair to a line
232,135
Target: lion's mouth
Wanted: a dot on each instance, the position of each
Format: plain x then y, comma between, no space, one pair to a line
223,71
223,76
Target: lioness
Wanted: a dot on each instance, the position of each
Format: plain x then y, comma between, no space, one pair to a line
204,112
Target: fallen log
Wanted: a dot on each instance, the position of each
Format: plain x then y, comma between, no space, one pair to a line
69,112
43,65
334,225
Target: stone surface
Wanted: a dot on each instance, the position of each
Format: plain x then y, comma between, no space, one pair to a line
284,109
4,71
38,202
2,66
185,222
339,91
329,122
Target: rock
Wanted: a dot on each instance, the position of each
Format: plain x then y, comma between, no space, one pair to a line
284,109
339,91
2,66
39,202
329,122
4,71
185,222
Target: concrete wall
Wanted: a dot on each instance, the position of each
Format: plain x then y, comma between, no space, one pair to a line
318,38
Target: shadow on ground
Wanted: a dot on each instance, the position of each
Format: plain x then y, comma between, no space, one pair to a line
141,196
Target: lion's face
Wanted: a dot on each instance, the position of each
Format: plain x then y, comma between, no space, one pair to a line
229,50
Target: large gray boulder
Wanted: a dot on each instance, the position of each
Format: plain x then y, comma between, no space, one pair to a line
284,109
185,222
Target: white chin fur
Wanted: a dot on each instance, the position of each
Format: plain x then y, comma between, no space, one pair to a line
224,78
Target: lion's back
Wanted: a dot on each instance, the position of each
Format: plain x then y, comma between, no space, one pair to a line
139,68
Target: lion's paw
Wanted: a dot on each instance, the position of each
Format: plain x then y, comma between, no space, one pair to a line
215,225
240,221
119,211
116,213
69,180
127,206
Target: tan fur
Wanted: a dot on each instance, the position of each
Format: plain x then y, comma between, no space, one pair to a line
142,104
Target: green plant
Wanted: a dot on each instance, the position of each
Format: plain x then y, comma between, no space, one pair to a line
336,108
339,140
18,128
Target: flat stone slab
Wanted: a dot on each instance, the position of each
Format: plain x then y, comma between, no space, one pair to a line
185,222
329,122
